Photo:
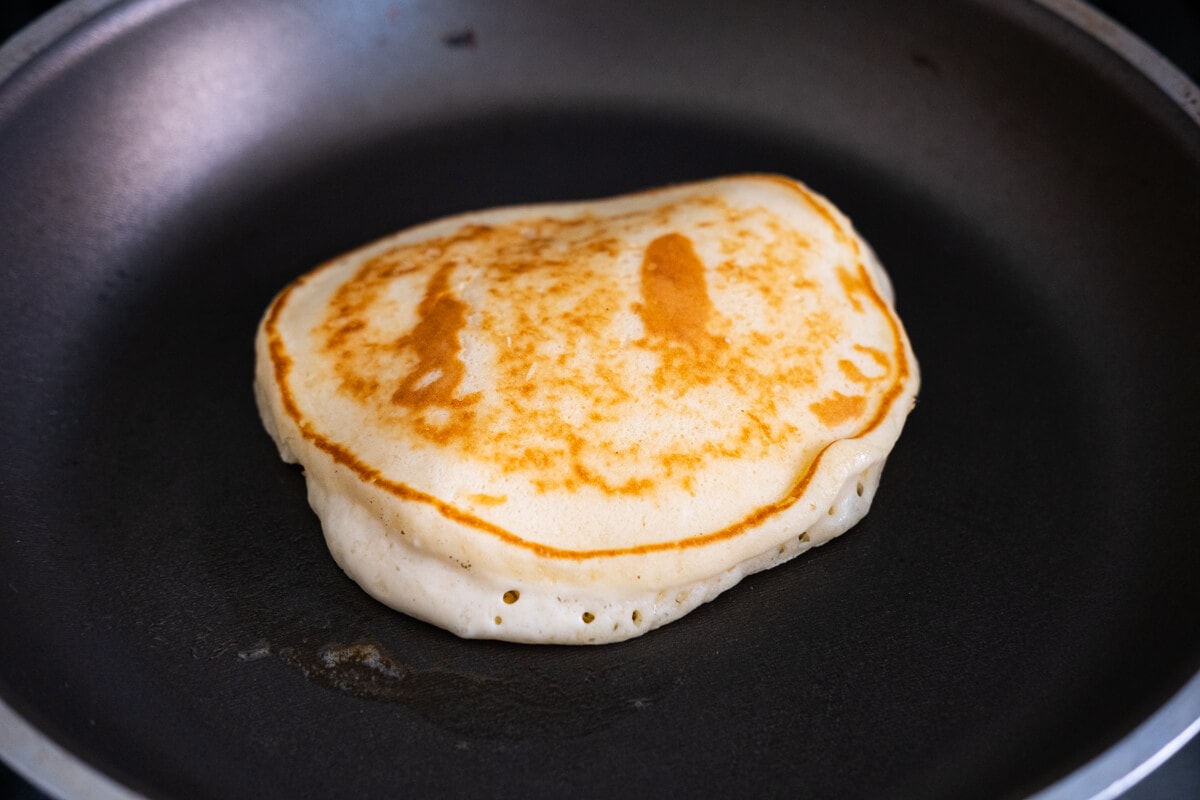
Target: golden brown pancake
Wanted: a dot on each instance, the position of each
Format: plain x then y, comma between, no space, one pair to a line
576,422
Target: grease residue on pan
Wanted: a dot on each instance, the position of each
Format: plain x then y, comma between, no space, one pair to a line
504,705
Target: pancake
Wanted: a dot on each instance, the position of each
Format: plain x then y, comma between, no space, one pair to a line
576,422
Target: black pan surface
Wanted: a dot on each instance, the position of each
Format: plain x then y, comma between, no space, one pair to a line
1023,594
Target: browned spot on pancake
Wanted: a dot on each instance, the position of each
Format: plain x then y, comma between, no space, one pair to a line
488,499
561,374
851,371
676,312
839,408
761,425
854,284
876,354
855,373
339,335
675,303
435,341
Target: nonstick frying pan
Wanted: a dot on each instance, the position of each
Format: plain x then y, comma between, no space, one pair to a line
1018,613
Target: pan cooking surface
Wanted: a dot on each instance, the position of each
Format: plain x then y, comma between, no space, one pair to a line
1021,595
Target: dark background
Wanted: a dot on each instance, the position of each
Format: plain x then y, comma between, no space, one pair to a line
1171,26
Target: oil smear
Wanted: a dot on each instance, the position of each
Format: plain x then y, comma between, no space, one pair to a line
514,703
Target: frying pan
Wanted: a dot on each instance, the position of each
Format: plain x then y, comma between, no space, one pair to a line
1018,614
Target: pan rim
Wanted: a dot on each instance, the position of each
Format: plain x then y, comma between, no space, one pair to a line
53,26
51,767
1166,76
54,769
1139,753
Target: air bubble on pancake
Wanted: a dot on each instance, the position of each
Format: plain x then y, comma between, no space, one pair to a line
588,617
637,617
498,620
804,537
512,596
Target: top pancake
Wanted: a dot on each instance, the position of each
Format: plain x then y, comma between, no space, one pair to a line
619,395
